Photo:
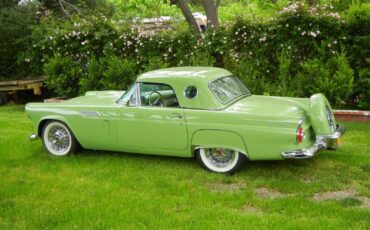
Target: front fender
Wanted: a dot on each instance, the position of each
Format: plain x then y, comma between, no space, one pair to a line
218,138
51,117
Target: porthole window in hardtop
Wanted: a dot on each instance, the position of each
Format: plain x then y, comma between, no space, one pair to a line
191,92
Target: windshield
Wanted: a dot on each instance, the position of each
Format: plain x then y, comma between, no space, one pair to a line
228,88
129,95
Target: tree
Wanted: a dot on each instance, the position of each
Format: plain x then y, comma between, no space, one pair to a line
210,8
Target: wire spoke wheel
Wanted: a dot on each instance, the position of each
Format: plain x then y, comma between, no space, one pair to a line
221,160
58,139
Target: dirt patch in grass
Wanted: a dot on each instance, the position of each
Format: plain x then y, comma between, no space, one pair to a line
267,193
335,195
347,197
252,210
224,187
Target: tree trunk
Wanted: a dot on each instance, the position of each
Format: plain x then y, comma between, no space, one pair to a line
211,13
182,4
212,22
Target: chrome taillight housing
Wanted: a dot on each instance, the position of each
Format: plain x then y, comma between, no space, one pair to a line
300,134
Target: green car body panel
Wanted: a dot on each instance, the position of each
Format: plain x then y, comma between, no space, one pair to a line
261,127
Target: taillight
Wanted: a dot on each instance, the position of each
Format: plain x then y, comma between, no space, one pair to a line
300,132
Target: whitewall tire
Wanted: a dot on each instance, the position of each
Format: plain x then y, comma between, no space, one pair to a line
58,139
220,160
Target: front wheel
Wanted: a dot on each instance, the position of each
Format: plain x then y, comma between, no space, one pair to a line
57,139
220,160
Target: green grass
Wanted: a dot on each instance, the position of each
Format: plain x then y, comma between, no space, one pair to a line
117,190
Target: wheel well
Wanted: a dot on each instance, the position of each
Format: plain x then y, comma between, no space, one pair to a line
41,125
196,148
43,122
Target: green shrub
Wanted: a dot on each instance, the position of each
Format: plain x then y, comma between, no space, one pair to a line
301,50
333,78
63,75
108,73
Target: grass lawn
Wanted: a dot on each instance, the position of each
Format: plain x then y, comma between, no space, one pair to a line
102,190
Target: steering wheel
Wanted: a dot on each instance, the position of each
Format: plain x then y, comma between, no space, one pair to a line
156,102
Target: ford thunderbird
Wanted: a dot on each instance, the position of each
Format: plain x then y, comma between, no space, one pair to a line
200,112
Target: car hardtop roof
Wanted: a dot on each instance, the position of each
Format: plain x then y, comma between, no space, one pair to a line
197,73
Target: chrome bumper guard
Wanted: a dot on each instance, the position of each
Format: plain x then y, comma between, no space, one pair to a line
322,142
33,137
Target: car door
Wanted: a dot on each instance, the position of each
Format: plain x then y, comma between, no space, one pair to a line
152,119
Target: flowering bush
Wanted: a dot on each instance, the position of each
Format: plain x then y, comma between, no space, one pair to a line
300,51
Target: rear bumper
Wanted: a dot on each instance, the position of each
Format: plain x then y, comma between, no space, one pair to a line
322,142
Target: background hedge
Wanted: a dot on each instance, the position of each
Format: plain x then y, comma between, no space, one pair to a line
299,51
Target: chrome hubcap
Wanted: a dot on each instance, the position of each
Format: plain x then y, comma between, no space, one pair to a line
59,139
220,157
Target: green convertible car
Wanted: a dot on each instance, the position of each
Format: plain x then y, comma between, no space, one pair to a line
189,111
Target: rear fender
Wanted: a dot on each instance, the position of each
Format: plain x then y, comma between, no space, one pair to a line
319,111
218,138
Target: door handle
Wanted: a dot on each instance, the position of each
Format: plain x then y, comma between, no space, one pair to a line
176,115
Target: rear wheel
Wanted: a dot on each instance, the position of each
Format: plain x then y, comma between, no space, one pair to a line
57,139
220,160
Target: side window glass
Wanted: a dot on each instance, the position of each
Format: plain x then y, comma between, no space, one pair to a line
152,94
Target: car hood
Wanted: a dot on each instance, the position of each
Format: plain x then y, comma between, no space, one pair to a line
96,98
267,106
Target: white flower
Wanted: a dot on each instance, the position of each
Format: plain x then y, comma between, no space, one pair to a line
287,25
263,39
236,33
329,45
288,47
250,53
303,33
299,28
335,42
313,34
209,43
